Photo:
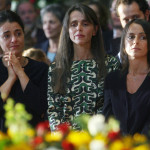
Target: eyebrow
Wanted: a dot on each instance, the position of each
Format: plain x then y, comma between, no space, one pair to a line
9,31
84,20
132,16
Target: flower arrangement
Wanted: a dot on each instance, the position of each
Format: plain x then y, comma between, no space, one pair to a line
96,134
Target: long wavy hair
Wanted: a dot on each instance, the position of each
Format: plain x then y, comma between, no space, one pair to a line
65,52
124,57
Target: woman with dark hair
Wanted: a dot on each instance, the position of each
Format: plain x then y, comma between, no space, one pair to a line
127,92
52,17
21,78
75,81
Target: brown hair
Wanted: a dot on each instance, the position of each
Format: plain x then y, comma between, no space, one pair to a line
65,53
36,54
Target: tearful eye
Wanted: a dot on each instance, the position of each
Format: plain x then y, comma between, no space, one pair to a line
19,34
6,36
85,24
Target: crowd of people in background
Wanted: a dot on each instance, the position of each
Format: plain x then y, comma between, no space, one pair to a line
63,61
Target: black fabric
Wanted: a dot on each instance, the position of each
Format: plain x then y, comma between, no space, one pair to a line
34,96
43,46
131,110
112,46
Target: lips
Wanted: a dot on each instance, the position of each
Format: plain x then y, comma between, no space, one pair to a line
14,46
79,35
135,48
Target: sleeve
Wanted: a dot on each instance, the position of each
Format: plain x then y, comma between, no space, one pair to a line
35,95
1,104
107,108
146,129
55,106
112,63
100,102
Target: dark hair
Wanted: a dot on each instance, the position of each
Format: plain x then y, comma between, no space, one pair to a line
55,9
10,16
65,52
103,13
124,57
143,4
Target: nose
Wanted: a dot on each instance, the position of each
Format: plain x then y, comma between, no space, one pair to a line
79,27
13,39
136,40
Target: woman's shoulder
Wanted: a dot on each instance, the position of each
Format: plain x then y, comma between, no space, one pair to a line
112,63
116,77
36,64
109,59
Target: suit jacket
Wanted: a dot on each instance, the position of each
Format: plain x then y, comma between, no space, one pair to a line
43,46
111,45
132,110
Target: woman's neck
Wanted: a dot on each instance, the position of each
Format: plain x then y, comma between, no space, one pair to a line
82,53
138,67
53,45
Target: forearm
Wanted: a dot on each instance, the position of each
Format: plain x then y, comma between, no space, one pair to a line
23,78
6,88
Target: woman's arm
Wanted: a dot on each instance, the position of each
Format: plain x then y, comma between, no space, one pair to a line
6,87
19,71
107,108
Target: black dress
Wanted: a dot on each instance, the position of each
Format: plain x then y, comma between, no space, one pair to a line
132,110
34,96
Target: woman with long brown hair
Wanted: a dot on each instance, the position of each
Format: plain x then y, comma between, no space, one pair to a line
75,81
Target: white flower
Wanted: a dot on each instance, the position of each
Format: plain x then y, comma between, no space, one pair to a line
96,124
97,145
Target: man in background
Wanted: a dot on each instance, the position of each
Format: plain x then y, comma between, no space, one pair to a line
128,10
113,47
33,32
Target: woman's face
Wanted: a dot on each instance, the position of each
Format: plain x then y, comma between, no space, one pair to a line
12,38
136,42
80,30
51,26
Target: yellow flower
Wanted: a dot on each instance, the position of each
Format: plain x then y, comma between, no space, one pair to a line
139,138
30,132
117,145
142,147
53,136
128,141
101,137
21,146
2,136
78,138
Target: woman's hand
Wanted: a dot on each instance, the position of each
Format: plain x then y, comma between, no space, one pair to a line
6,61
17,68
16,65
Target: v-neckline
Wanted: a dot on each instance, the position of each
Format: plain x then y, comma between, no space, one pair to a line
139,86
